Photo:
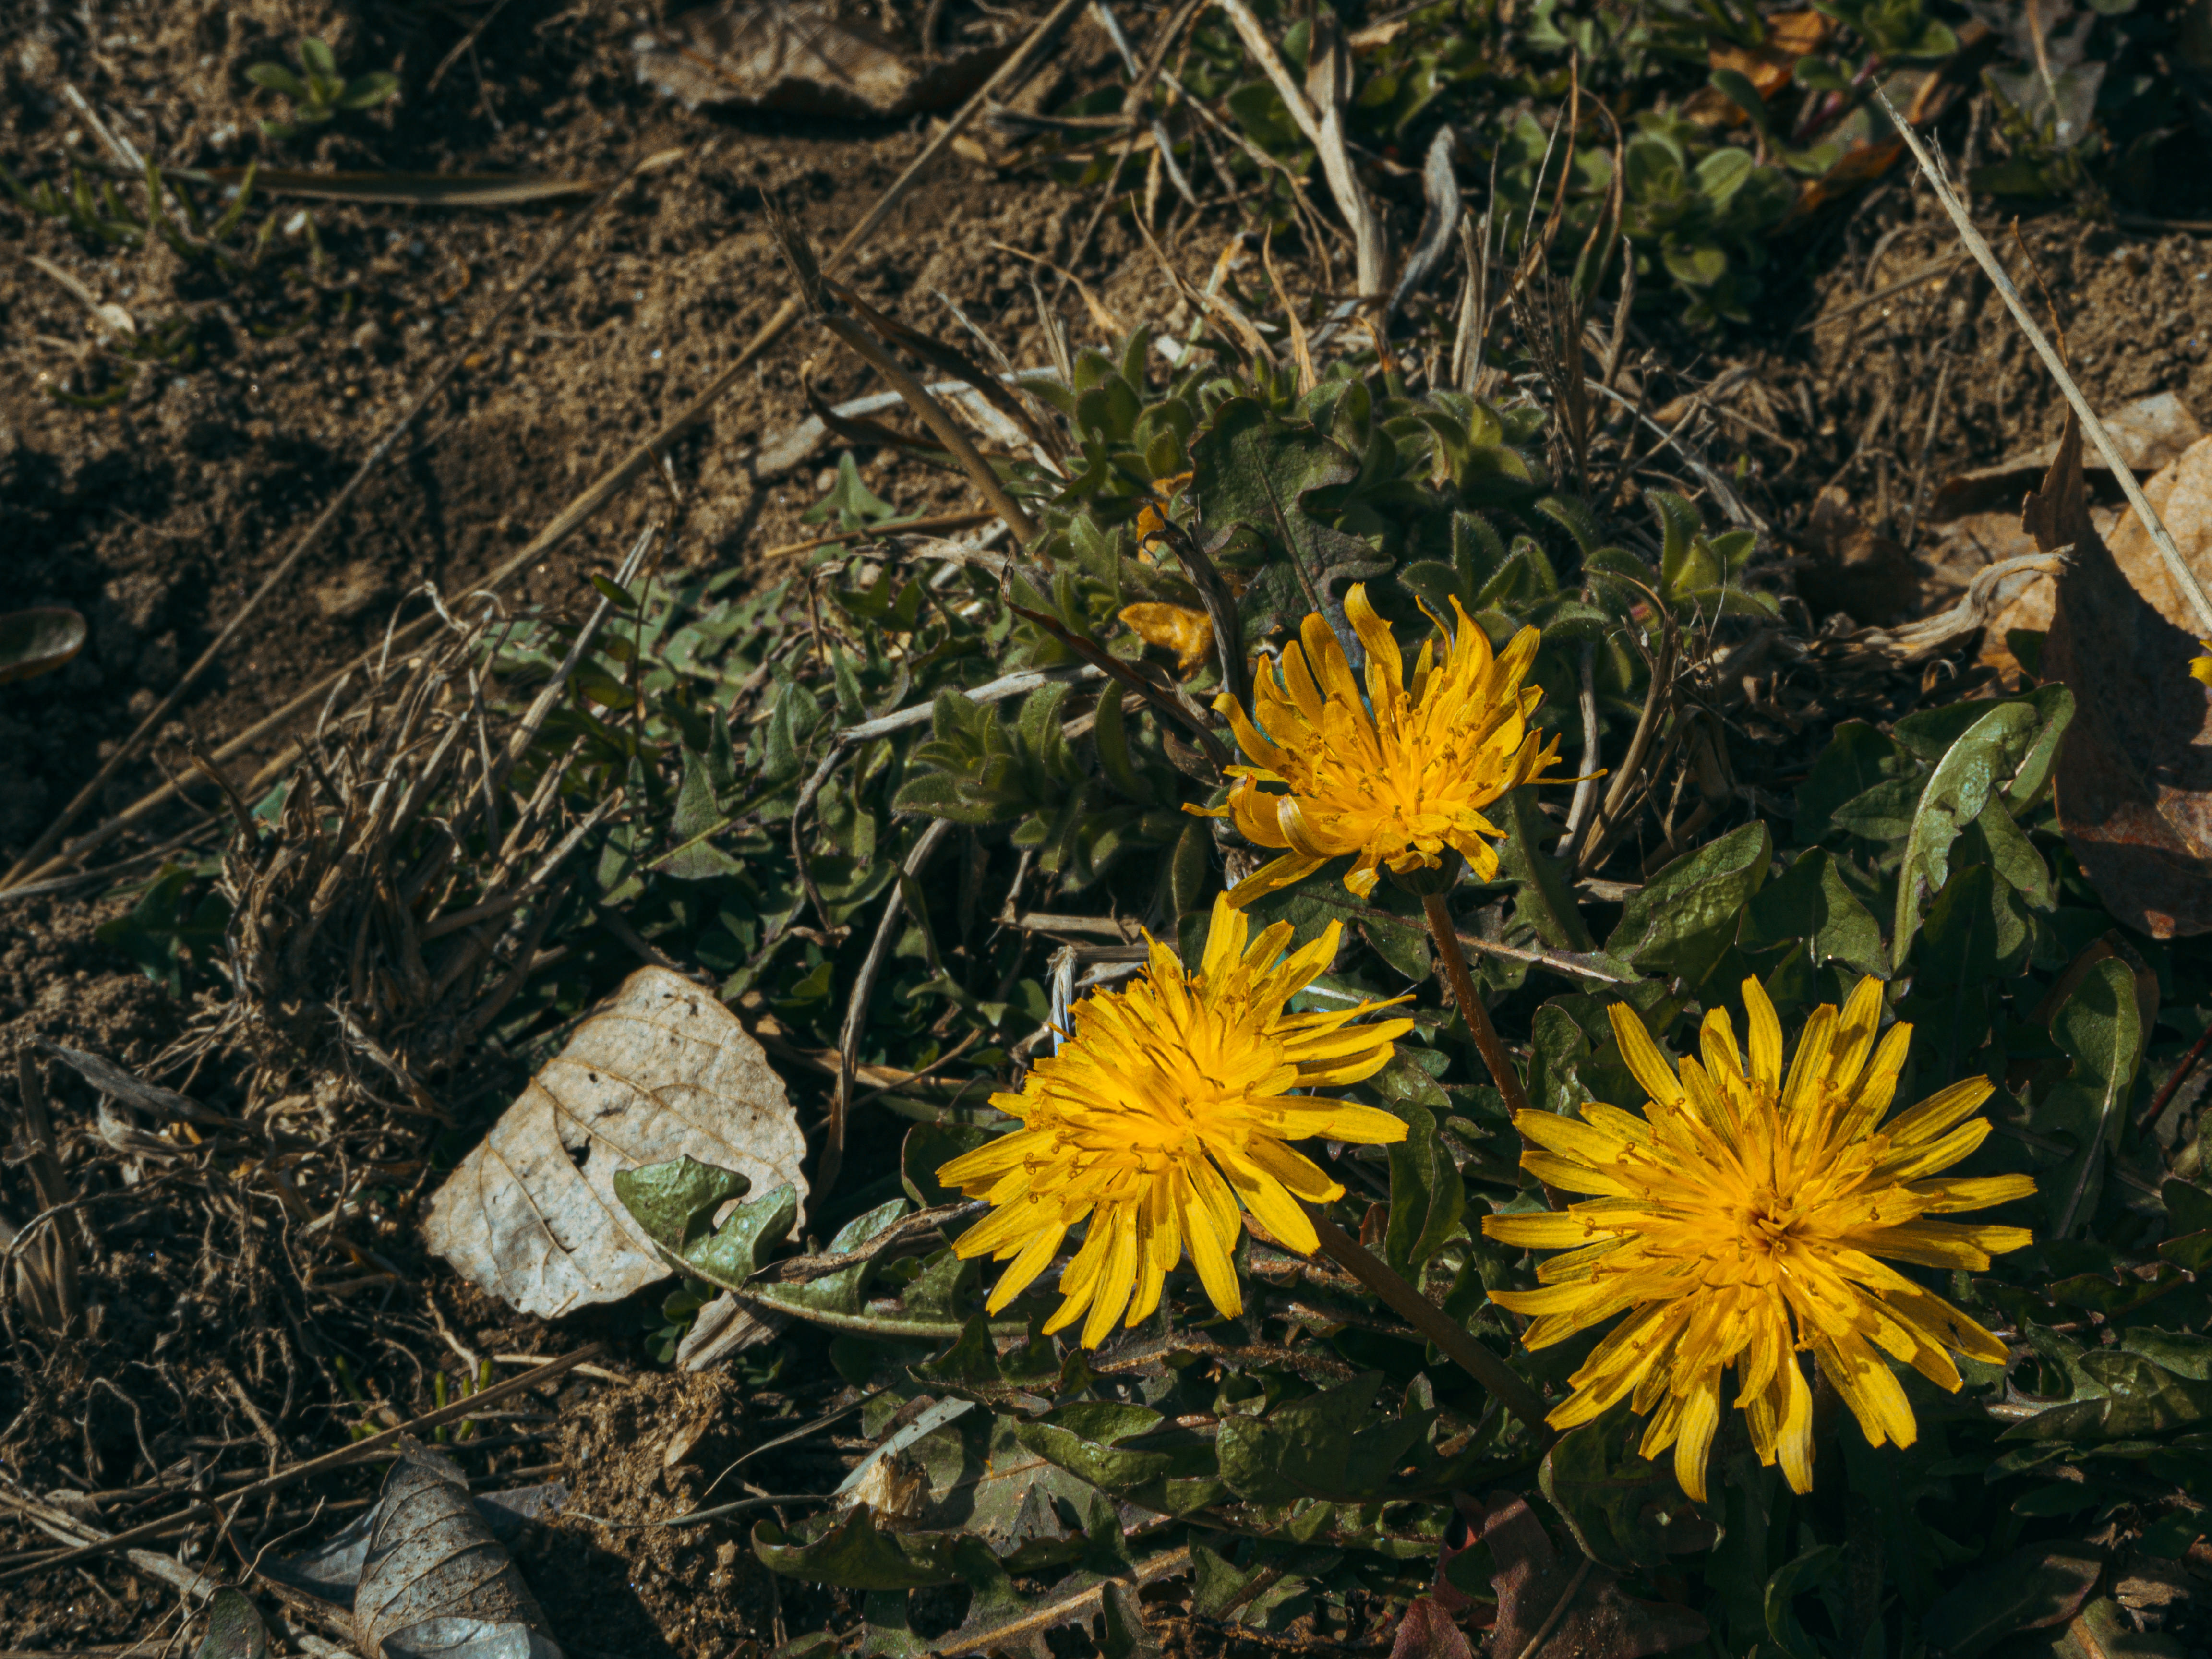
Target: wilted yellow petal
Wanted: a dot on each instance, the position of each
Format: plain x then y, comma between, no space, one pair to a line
1188,632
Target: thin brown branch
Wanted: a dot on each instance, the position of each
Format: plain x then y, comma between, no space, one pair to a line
314,1466
2146,515
1451,961
1432,1321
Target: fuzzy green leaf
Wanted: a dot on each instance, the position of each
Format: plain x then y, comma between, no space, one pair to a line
854,1553
1427,1197
235,1630
1985,756
1681,920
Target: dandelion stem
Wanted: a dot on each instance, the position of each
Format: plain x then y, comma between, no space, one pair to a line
1432,1321
1451,967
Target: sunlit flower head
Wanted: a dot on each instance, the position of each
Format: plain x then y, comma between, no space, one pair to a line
1398,777
1737,1222
1167,1108
2201,667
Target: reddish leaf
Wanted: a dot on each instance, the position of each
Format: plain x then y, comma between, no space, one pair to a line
1468,1528
1428,1633
2042,1585
1598,1621
2135,778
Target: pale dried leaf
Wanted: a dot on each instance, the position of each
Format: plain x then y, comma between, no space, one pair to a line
332,1569
724,1328
436,1582
801,59
2151,433
2181,494
662,1070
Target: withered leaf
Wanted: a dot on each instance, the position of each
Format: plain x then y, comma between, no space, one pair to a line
332,1569
2151,433
1428,1633
436,1582
37,642
802,59
661,1071
2135,778
1600,1622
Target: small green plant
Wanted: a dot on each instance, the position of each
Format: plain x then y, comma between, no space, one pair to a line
320,92
664,1331
276,297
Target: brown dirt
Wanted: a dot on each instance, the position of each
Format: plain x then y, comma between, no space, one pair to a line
694,1589
1857,398
157,516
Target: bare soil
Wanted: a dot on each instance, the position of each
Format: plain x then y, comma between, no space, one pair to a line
157,514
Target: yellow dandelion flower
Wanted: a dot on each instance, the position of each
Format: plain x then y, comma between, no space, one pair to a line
1167,1108
1737,1222
1397,777
2201,667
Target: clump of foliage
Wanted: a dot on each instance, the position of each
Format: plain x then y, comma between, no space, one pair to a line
1312,1454
317,90
1737,124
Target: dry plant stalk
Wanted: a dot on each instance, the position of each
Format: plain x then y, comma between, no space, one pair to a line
365,928
821,307
43,1255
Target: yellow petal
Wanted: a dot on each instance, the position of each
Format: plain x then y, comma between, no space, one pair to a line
1948,1244
1716,1044
1793,1431
1299,1174
1546,1231
1860,1021
1116,1280
1209,1248
1871,1389
1079,1280
1971,1192
1766,1035
1226,931
1924,1123
1386,667
1701,1417
1643,1056
1285,871
1269,1205
1249,737
1036,1256
1361,1125
1596,1144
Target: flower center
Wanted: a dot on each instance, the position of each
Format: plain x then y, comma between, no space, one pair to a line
1767,1222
